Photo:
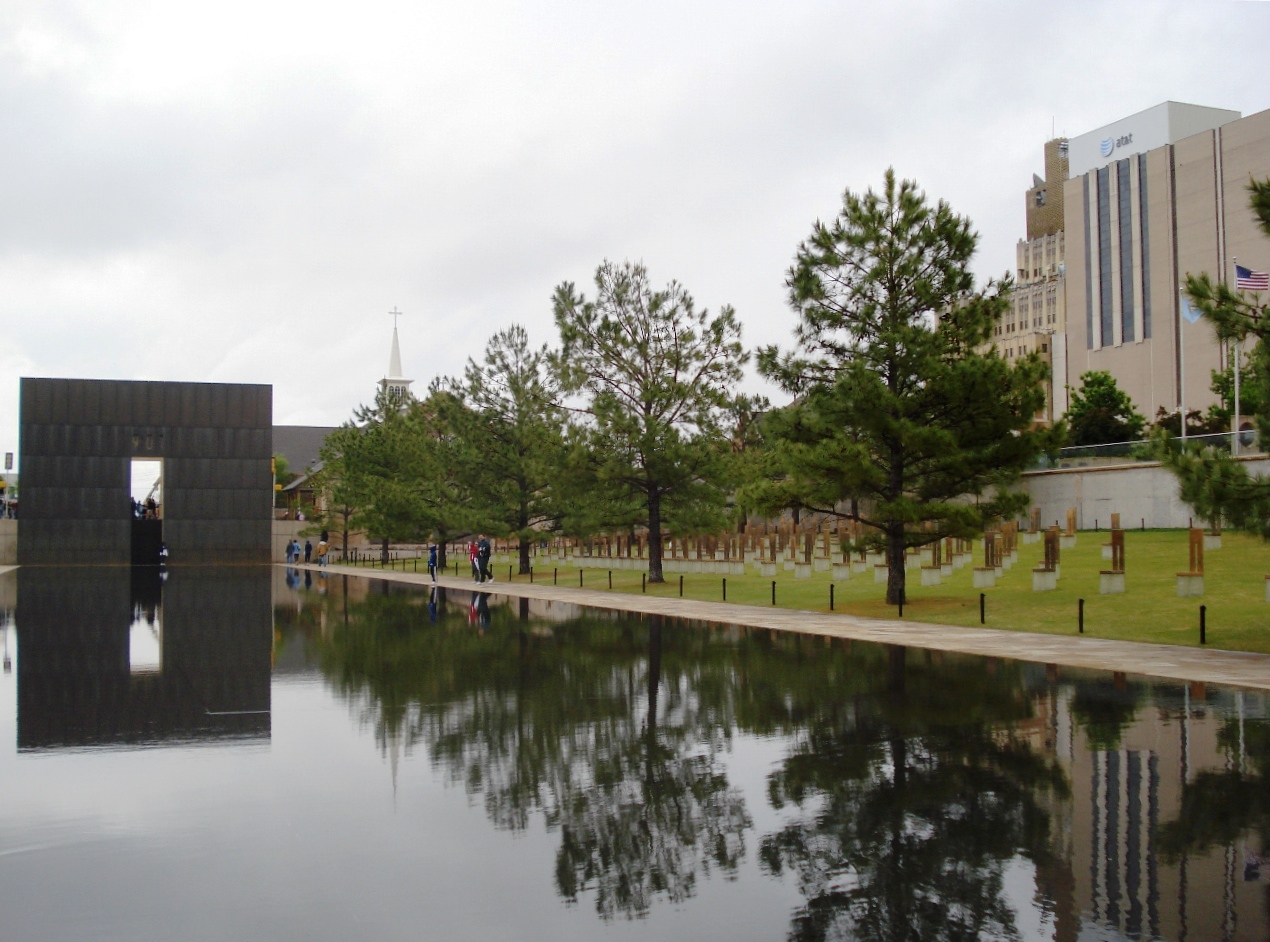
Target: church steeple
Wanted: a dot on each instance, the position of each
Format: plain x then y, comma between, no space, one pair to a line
394,384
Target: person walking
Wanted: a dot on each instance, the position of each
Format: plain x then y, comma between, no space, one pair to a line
471,558
322,549
290,551
308,550
432,561
482,559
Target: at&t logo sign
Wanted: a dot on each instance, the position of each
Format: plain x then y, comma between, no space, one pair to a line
1109,144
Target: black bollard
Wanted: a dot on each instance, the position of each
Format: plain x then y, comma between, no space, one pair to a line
831,596
725,590
1203,627
643,582
982,604
531,575
580,572
901,609
610,578
1080,615
509,573
773,591
681,586
555,574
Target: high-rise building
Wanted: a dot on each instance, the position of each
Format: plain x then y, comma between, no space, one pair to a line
1152,198
1038,313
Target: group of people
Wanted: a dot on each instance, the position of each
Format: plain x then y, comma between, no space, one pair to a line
478,554
147,509
294,551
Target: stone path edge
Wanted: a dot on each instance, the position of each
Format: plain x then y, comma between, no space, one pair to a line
1233,668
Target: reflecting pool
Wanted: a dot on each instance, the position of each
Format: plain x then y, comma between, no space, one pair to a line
268,754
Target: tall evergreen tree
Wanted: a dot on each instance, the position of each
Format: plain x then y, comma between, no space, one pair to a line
655,377
897,417
396,468
510,429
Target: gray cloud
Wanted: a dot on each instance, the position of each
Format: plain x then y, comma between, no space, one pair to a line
240,192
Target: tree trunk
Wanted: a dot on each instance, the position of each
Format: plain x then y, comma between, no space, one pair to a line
383,552
441,552
654,538
895,573
654,681
522,522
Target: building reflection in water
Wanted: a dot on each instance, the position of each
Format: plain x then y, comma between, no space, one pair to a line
115,656
1162,837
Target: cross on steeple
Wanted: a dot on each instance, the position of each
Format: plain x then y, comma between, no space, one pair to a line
395,314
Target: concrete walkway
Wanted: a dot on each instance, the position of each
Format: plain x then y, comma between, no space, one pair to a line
1236,668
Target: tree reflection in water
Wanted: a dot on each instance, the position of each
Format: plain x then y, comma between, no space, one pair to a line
1223,807
906,791
589,722
911,805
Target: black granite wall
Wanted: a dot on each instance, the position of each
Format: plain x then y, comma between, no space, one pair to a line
78,438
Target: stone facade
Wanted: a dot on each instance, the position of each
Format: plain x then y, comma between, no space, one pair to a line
1038,314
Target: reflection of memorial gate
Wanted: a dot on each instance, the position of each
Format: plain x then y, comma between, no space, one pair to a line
78,439
79,679
147,538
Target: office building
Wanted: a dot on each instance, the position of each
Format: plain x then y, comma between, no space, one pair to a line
1038,313
1152,198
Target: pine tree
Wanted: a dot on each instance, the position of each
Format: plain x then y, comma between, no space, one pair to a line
655,377
509,430
898,421
1101,413
397,469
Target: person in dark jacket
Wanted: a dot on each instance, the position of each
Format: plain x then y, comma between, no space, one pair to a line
308,550
432,561
482,560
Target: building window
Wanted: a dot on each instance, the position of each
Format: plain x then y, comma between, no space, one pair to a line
1106,334
1146,252
1126,250
1040,198
1089,284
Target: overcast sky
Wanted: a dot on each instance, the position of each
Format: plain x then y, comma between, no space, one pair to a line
239,192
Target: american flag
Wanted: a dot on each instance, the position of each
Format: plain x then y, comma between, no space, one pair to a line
1246,279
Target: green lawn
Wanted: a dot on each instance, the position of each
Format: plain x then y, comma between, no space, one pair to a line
1238,616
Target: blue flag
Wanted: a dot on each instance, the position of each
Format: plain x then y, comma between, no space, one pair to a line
1190,311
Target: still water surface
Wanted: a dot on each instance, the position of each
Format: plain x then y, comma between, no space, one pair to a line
256,754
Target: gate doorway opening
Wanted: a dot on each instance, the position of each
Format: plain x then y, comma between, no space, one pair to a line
146,487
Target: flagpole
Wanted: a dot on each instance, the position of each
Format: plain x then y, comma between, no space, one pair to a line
1234,442
1181,357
